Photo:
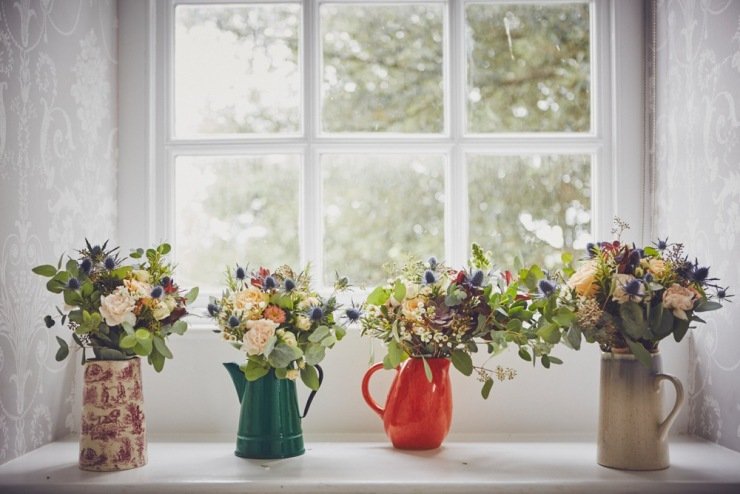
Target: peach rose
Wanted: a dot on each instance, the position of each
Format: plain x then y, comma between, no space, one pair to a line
657,267
258,334
679,299
583,279
412,308
251,297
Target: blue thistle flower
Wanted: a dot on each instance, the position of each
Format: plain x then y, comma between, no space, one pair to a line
633,288
73,284
648,278
316,313
477,278
353,314
429,277
546,287
240,273
591,249
96,250
662,244
165,281
432,262
157,292
700,275
233,321
213,309
270,283
109,263
289,285
86,265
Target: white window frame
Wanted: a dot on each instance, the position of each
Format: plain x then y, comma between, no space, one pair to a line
148,146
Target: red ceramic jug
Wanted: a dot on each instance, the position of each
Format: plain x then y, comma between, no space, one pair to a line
417,413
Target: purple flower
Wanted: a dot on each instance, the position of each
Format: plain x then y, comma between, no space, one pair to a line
316,313
109,263
429,277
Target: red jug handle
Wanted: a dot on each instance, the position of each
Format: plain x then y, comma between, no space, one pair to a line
366,391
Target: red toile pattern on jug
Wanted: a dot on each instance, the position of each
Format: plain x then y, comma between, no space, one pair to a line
113,434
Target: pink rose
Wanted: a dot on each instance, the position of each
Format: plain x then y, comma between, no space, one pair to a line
258,334
679,299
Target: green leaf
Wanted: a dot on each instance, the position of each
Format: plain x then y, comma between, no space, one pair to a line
314,354
455,296
554,360
633,321
487,387
63,350
143,347
143,334
399,291
281,356
161,346
707,305
462,362
681,328
640,352
573,337
564,317
427,369
109,354
310,377
179,327
329,341
192,295
270,345
128,342
157,360
46,270
164,249
128,328
566,257
666,324
524,354
379,296
254,370
72,267
545,361
318,335
395,354
550,333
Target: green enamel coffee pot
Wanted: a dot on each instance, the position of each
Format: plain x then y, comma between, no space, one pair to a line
269,422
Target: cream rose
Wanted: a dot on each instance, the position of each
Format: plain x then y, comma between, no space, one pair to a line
249,298
138,288
657,267
308,302
161,310
141,275
118,307
582,280
303,323
288,338
679,299
257,335
413,308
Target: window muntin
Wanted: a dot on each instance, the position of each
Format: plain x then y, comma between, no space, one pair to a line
317,148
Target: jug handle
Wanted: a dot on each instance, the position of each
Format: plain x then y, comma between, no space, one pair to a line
666,424
366,389
313,393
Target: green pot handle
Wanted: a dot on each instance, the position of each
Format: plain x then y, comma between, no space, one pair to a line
313,393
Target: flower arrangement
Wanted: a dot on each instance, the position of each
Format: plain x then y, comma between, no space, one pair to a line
119,311
428,310
628,299
279,322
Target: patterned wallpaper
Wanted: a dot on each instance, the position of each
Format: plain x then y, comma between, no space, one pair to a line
698,187
58,153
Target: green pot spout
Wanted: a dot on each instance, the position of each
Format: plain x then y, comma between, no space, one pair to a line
240,382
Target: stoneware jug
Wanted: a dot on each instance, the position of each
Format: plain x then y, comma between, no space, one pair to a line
113,433
417,413
269,422
633,434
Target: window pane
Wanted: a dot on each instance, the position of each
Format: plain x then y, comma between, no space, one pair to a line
236,69
234,209
382,68
534,207
528,68
380,208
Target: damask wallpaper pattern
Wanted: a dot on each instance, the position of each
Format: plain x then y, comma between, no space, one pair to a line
698,187
58,155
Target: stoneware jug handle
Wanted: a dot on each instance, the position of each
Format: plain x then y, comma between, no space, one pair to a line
366,389
666,424
313,393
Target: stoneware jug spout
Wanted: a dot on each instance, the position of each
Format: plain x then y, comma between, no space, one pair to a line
240,382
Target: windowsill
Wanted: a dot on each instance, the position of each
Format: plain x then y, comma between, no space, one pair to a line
518,465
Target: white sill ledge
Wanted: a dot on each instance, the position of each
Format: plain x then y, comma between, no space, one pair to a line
526,465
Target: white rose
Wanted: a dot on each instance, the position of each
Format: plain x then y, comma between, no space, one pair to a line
308,302
118,307
303,323
138,288
161,311
141,275
257,335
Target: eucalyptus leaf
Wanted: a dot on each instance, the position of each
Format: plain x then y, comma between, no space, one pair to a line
314,354
254,370
487,387
399,291
192,295
128,341
318,335
633,321
379,296
707,305
427,370
310,377
281,356
157,360
161,346
46,270
640,352
179,327
462,362
63,350
681,327
573,337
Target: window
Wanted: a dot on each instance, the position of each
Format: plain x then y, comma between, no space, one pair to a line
351,133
